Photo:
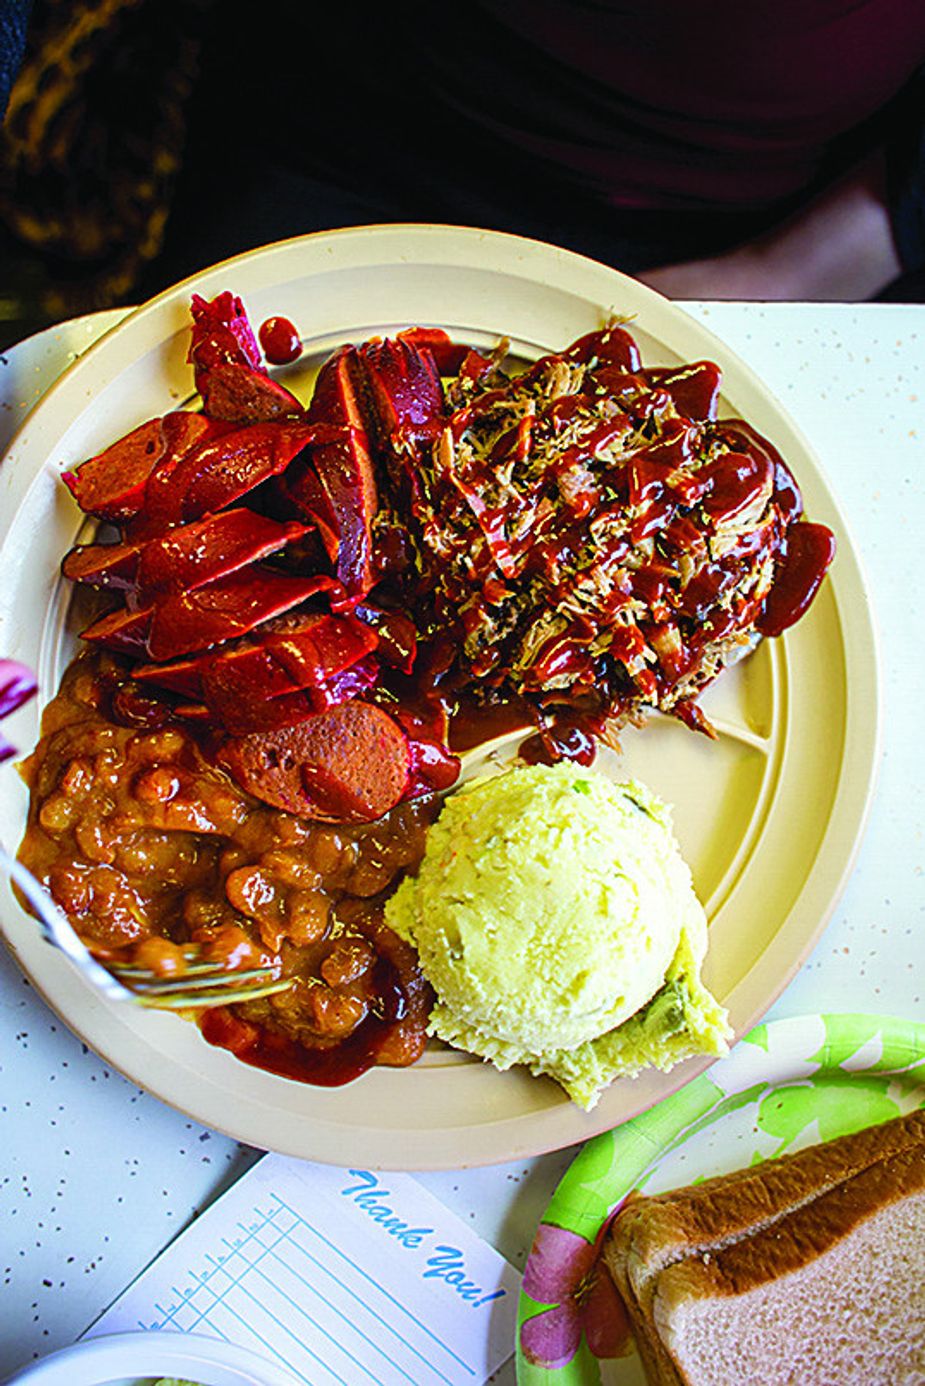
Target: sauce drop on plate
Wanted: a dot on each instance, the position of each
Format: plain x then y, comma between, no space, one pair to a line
280,341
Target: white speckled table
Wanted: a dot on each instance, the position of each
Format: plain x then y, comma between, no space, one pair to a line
96,1176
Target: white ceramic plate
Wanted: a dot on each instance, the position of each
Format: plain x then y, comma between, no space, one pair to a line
118,1358
769,816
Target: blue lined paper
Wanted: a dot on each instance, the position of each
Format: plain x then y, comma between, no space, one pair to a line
342,1276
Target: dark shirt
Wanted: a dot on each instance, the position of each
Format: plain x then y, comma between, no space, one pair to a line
639,133
719,104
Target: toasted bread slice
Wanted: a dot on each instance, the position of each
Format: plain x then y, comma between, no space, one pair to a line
652,1233
830,1294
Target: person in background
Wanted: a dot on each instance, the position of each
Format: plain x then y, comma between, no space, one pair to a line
768,150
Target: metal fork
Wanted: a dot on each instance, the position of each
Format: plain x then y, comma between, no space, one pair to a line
201,984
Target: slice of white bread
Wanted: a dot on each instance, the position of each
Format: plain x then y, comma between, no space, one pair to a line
832,1294
650,1234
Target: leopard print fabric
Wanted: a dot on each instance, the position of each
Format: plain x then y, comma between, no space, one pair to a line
93,141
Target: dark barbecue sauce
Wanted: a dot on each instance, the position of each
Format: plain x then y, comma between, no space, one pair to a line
810,550
326,1068
280,341
472,724
565,741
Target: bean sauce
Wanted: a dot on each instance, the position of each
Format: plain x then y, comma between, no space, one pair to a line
147,845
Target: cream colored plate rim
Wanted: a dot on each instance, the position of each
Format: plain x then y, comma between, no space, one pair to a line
335,284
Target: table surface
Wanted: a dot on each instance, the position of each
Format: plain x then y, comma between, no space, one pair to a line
96,1176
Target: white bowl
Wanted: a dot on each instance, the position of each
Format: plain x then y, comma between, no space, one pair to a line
118,1358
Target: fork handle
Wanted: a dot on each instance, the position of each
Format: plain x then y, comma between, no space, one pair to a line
58,930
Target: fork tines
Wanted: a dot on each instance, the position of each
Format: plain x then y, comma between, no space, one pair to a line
201,984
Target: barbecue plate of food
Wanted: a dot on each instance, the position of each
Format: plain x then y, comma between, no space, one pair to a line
501,489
